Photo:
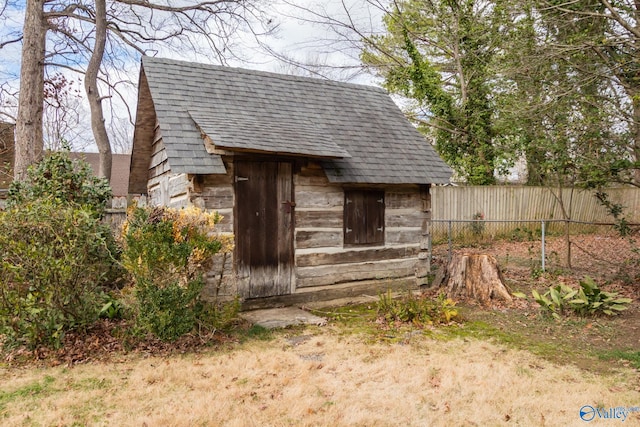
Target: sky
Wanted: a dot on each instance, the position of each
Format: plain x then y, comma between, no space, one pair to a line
297,38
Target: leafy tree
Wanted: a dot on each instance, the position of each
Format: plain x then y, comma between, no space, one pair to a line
590,53
494,80
441,54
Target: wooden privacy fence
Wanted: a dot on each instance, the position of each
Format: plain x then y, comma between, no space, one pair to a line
524,203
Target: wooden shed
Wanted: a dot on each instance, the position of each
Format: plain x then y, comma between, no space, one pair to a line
325,185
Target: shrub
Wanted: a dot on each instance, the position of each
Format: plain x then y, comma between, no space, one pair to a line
167,252
54,259
219,315
169,311
62,180
55,252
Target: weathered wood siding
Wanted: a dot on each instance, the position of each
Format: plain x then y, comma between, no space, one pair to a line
322,259
165,188
215,192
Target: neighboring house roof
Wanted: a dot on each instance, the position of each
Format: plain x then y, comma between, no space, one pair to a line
119,166
357,131
119,169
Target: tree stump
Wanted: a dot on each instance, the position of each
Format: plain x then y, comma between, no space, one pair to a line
476,276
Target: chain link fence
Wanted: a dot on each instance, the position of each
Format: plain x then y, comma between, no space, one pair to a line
530,248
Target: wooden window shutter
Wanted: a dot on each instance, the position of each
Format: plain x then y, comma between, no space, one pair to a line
363,217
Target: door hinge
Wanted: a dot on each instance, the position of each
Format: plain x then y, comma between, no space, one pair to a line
348,230
241,178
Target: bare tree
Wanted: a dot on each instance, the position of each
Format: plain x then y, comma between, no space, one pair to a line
120,135
64,111
93,92
29,142
100,39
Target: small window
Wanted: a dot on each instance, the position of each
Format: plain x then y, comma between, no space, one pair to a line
363,217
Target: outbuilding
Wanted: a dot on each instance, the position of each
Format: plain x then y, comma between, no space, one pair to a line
325,185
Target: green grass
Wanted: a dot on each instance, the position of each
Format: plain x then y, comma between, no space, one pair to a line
254,333
631,356
34,390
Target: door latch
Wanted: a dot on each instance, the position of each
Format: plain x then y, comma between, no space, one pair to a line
288,205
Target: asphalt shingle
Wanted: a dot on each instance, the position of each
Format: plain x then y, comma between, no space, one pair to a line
357,131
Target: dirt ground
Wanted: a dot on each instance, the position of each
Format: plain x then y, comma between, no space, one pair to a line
609,260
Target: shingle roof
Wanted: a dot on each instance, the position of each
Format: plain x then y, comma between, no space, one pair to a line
358,130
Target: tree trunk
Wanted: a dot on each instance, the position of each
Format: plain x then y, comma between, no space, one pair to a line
93,93
636,136
475,276
29,143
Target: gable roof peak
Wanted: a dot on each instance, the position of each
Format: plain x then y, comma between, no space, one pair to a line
357,131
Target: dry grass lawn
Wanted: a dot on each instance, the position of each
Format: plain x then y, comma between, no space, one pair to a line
321,378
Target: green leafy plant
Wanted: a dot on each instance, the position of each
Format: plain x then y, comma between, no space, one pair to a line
167,251
112,307
417,309
591,300
588,300
555,300
56,253
63,180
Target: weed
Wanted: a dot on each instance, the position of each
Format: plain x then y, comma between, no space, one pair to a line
520,235
477,226
417,309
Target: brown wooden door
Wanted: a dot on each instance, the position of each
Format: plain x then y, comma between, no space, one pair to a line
264,228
